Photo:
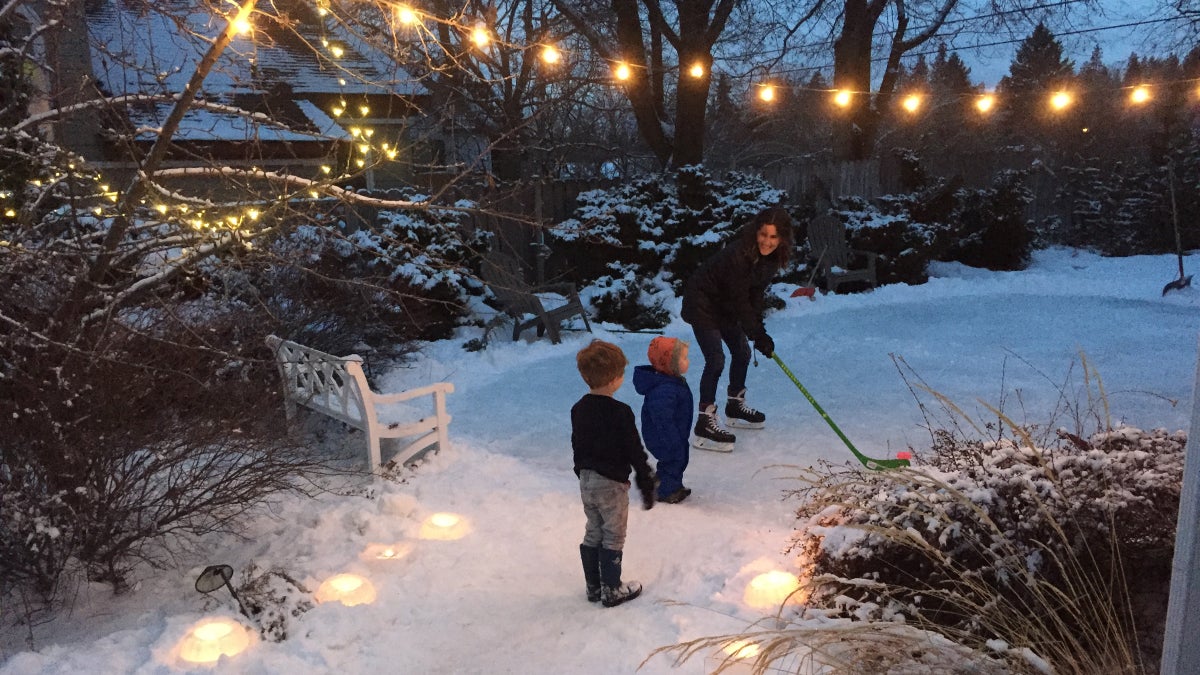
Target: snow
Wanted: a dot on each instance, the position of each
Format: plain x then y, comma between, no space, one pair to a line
508,596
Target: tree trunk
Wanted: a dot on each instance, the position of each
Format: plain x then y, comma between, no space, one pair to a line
855,132
638,88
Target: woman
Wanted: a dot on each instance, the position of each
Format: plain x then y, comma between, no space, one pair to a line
723,302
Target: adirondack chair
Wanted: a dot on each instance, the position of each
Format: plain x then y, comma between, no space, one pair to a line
518,299
836,261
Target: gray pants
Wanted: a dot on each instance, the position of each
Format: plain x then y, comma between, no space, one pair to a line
606,503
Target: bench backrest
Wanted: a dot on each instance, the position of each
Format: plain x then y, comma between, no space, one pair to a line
827,241
334,385
506,279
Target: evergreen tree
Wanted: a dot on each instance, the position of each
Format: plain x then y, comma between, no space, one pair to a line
949,75
1039,65
1038,70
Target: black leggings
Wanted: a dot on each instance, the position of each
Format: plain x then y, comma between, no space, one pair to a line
709,340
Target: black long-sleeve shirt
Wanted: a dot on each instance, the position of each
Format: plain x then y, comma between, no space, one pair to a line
604,438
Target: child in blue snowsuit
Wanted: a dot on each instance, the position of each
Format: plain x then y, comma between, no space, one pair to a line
666,413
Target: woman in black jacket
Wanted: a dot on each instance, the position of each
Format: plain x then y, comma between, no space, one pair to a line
724,302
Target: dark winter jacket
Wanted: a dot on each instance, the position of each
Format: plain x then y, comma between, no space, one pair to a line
666,411
729,290
604,438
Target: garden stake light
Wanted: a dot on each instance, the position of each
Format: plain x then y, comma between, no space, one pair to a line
216,576
873,464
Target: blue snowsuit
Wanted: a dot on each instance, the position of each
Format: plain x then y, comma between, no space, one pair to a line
666,423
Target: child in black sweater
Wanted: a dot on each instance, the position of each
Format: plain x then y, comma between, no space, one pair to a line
606,446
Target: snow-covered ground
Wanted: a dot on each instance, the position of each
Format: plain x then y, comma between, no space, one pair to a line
507,597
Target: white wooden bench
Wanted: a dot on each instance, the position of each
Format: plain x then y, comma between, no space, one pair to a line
337,386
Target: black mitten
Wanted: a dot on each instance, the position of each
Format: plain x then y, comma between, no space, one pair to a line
647,485
764,344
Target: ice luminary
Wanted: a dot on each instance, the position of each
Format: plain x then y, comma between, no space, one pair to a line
397,551
734,658
771,589
348,589
210,639
445,526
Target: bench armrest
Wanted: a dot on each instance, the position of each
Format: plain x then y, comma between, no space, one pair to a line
565,289
408,395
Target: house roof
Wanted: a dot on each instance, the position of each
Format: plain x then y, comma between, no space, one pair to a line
137,50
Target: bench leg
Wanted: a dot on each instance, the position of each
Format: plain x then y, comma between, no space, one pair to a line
373,458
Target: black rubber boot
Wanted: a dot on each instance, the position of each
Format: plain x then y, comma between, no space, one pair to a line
612,591
590,555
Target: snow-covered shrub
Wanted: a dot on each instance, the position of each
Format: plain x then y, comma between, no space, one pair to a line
1004,542
622,297
943,221
646,224
273,598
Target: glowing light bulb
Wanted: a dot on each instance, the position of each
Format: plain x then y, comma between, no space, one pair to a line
911,103
985,103
406,15
551,55
1140,94
1060,100
767,93
479,36
243,26
363,110
622,72
336,51
842,97
161,208
697,70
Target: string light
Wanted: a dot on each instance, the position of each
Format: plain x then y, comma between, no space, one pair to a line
767,93
406,16
622,72
697,70
1140,95
479,36
551,55
1060,100
985,103
911,103
842,97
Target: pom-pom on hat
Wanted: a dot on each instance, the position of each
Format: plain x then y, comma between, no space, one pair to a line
664,354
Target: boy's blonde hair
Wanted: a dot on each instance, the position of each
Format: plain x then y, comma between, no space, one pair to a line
600,363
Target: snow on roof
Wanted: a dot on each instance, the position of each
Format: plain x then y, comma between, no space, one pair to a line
138,50
206,125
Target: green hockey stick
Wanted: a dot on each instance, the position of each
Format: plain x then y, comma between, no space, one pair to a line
873,464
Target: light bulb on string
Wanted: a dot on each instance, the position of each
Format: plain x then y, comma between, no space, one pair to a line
985,103
842,97
406,16
1060,100
697,70
550,54
479,36
911,103
766,93
622,72
1139,95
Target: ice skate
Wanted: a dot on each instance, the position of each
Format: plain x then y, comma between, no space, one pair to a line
741,416
709,435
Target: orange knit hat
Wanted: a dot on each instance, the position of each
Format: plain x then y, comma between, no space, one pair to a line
664,354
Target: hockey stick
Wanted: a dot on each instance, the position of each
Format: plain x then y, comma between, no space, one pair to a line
873,464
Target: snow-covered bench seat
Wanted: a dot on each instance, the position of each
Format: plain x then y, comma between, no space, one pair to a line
336,386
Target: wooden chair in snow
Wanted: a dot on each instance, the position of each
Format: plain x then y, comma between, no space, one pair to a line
527,304
337,387
836,261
